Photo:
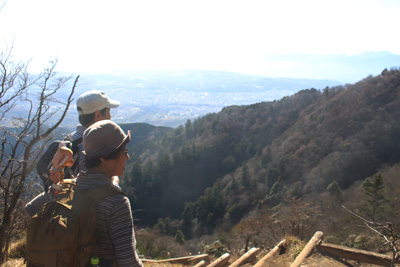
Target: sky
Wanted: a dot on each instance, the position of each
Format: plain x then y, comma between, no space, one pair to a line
96,36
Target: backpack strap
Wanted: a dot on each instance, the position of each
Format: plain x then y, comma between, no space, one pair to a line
103,191
76,143
73,170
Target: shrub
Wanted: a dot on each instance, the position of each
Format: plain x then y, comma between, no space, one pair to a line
152,244
216,249
365,242
294,246
17,249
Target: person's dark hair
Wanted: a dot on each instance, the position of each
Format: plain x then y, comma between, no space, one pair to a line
92,163
114,155
88,119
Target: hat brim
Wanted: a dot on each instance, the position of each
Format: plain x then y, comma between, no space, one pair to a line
113,104
126,140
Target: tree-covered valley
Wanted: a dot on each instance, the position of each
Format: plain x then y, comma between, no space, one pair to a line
252,175
308,153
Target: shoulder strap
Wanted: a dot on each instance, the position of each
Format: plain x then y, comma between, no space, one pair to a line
103,191
74,169
75,144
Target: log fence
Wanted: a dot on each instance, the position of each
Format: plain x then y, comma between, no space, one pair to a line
337,252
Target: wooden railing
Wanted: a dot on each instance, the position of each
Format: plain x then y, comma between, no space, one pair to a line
334,251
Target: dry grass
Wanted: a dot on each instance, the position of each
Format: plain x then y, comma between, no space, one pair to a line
17,249
162,265
294,246
14,263
20,263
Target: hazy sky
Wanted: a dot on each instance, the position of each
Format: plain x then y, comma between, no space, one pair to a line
105,36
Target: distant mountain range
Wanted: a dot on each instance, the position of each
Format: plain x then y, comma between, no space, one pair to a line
343,68
170,98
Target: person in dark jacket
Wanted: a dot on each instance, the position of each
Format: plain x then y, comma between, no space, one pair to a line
92,106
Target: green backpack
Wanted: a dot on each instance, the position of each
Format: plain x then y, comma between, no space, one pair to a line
63,233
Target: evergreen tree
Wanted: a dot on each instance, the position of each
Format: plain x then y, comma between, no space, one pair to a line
179,237
335,191
188,128
187,216
245,177
375,201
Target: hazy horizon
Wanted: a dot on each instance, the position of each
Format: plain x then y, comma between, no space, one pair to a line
236,36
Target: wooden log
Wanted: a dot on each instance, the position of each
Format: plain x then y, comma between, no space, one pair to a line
182,260
355,254
271,253
201,264
197,258
221,261
308,249
246,257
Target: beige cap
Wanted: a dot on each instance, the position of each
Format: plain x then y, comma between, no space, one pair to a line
92,101
103,138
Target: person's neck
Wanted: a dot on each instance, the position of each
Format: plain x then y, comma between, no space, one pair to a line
87,125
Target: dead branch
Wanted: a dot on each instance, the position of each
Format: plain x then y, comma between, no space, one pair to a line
385,231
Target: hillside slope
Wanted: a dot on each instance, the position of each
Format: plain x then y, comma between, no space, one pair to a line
143,131
226,164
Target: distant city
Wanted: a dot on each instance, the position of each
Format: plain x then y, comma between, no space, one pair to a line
170,98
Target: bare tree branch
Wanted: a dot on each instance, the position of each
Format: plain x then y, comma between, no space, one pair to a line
18,139
385,231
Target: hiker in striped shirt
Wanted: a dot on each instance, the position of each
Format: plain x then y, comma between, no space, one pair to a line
106,155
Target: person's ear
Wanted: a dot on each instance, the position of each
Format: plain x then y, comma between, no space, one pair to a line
102,160
97,116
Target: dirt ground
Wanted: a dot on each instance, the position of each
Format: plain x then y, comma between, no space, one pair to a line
314,260
283,260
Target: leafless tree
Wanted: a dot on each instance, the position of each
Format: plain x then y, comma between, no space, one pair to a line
258,230
20,131
298,218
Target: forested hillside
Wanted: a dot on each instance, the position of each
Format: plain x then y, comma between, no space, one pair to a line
216,169
143,131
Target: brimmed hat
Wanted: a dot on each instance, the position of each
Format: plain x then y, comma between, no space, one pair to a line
93,101
103,138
